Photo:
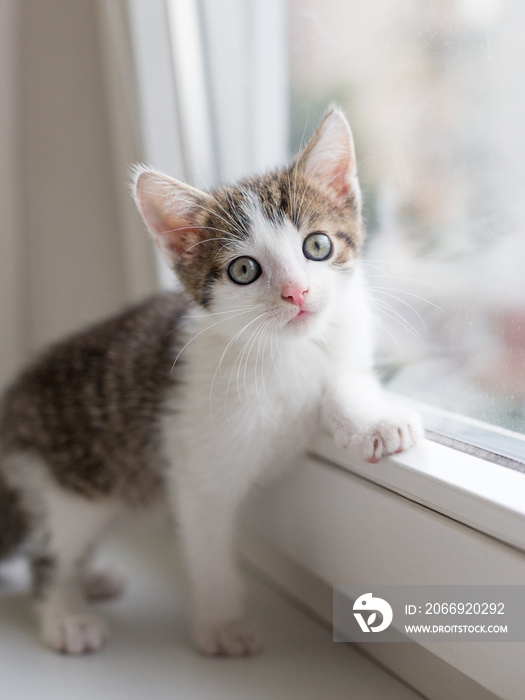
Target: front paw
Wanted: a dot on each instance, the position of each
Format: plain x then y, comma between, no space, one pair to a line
75,633
397,431
227,639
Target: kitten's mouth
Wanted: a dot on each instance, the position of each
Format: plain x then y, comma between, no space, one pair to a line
301,317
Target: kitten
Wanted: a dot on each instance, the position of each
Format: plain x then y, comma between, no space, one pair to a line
200,394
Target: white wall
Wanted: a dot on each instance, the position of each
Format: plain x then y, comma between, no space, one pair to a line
66,234
11,293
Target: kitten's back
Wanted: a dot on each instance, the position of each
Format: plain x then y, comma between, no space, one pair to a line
89,406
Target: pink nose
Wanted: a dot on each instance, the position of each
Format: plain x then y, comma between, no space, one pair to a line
294,293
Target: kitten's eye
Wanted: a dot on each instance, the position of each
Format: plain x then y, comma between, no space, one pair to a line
244,270
317,246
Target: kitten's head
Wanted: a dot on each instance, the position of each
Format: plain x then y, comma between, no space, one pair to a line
279,247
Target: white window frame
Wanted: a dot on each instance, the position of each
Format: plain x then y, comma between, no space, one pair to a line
430,515
470,490
325,525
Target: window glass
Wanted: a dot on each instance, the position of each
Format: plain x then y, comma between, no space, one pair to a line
435,93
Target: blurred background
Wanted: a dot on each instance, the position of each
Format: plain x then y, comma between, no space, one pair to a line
435,92
208,91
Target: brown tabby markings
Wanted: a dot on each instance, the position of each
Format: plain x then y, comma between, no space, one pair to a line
15,525
285,193
90,406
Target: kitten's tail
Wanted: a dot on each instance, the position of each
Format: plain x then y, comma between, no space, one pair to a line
14,523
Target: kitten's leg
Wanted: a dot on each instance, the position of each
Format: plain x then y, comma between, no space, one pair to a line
359,415
102,584
74,525
206,518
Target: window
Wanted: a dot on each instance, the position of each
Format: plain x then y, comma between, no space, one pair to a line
435,95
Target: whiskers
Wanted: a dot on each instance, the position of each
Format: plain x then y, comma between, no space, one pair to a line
254,334
229,315
401,312
249,374
256,344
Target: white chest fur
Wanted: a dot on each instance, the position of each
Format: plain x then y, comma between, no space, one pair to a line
246,410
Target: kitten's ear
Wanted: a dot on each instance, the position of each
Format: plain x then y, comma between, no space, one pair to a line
329,156
170,210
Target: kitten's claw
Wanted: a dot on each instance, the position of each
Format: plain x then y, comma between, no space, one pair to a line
75,633
394,433
231,639
101,584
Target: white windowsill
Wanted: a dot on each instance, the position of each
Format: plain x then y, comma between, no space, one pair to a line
431,515
473,491
149,654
